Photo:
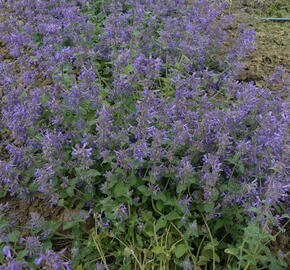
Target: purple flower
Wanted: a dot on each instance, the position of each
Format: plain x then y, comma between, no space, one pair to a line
36,221
32,245
140,226
44,178
100,222
162,104
52,260
121,212
83,154
4,207
7,252
186,201
154,189
187,265
100,266
13,265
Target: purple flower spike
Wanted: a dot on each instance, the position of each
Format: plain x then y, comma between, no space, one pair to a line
7,252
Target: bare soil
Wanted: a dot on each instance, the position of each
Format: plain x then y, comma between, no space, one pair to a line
272,48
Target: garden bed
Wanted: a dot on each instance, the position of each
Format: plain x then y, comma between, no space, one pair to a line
73,217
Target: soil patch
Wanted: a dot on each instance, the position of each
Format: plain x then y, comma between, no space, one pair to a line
272,49
21,210
272,39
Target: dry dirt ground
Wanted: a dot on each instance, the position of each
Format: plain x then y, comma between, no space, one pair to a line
272,38
272,48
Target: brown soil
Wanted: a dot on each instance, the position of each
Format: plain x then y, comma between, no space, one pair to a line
22,209
272,38
272,48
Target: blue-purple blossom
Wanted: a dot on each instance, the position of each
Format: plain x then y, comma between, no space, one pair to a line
4,207
100,222
140,226
186,201
100,266
32,245
13,265
83,155
52,260
36,221
154,189
121,212
187,265
7,252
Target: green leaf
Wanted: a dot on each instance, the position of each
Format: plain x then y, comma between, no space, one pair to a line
161,223
159,206
172,216
121,189
60,202
180,188
149,230
68,225
202,260
70,191
3,223
144,190
100,236
232,251
129,68
216,258
93,172
13,237
170,201
92,122
158,250
3,193
181,250
160,196
22,253
207,207
250,259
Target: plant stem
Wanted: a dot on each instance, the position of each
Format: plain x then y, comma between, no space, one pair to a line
212,241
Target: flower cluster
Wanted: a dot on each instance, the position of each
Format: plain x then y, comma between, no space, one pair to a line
174,106
49,75
192,121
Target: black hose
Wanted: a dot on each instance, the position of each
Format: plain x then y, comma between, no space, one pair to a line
275,19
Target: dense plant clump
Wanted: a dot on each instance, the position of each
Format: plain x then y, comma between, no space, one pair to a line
132,111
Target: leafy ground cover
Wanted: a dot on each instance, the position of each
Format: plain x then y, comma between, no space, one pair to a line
130,139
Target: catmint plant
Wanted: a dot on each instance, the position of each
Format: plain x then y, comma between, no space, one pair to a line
135,106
